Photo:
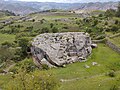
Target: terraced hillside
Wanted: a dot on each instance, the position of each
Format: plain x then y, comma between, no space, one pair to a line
99,72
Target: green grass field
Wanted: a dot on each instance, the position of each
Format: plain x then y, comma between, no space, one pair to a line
93,78
6,37
116,41
74,76
90,78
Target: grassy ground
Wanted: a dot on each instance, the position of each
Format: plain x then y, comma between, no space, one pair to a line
116,41
77,77
64,23
90,78
6,37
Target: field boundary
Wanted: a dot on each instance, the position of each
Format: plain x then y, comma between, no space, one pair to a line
113,46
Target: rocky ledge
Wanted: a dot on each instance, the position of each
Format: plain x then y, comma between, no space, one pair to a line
58,49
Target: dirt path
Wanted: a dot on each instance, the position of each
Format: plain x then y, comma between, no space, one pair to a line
89,77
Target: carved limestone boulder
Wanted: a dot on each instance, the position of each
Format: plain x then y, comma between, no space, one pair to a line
61,48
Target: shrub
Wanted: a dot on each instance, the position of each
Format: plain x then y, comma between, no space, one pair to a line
26,65
65,27
45,30
33,20
114,87
110,13
6,54
34,81
114,28
106,23
116,22
7,44
45,67
24,44
111,74
51,25
100,15
54,30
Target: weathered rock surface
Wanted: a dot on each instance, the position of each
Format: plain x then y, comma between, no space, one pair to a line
61,48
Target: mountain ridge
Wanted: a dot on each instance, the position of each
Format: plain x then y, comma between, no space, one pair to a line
20,7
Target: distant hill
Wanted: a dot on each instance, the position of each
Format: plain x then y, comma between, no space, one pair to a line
30,7
6,13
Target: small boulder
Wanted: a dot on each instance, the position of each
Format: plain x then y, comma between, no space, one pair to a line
86,66
94,63
94,45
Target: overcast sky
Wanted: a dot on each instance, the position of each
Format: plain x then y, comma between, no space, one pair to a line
70,1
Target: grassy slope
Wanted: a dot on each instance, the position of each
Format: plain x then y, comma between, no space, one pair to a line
6,37
70,23
116,41
104,56
89,79
92,78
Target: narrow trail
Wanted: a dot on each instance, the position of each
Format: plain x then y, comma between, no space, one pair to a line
75,79
88,77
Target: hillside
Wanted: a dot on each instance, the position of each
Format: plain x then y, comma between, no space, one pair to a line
6,13
99,71
30,7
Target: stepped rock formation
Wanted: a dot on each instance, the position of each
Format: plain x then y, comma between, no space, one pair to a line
61,48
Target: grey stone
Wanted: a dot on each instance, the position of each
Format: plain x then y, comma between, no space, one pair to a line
86,66
94,45
94,63
62,48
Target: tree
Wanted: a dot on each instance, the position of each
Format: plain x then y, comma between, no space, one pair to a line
6,54
33,20
51,25
24,44
110,13
95,22
100,15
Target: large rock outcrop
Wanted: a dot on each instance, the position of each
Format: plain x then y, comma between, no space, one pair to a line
61,48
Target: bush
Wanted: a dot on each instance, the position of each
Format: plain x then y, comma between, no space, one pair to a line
7,44
106,23
24,44
6,54
65,27
45,30
110,13
54,30
114,28
111,74
51,25
45,67
34,81
114,87
26,65
116,22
